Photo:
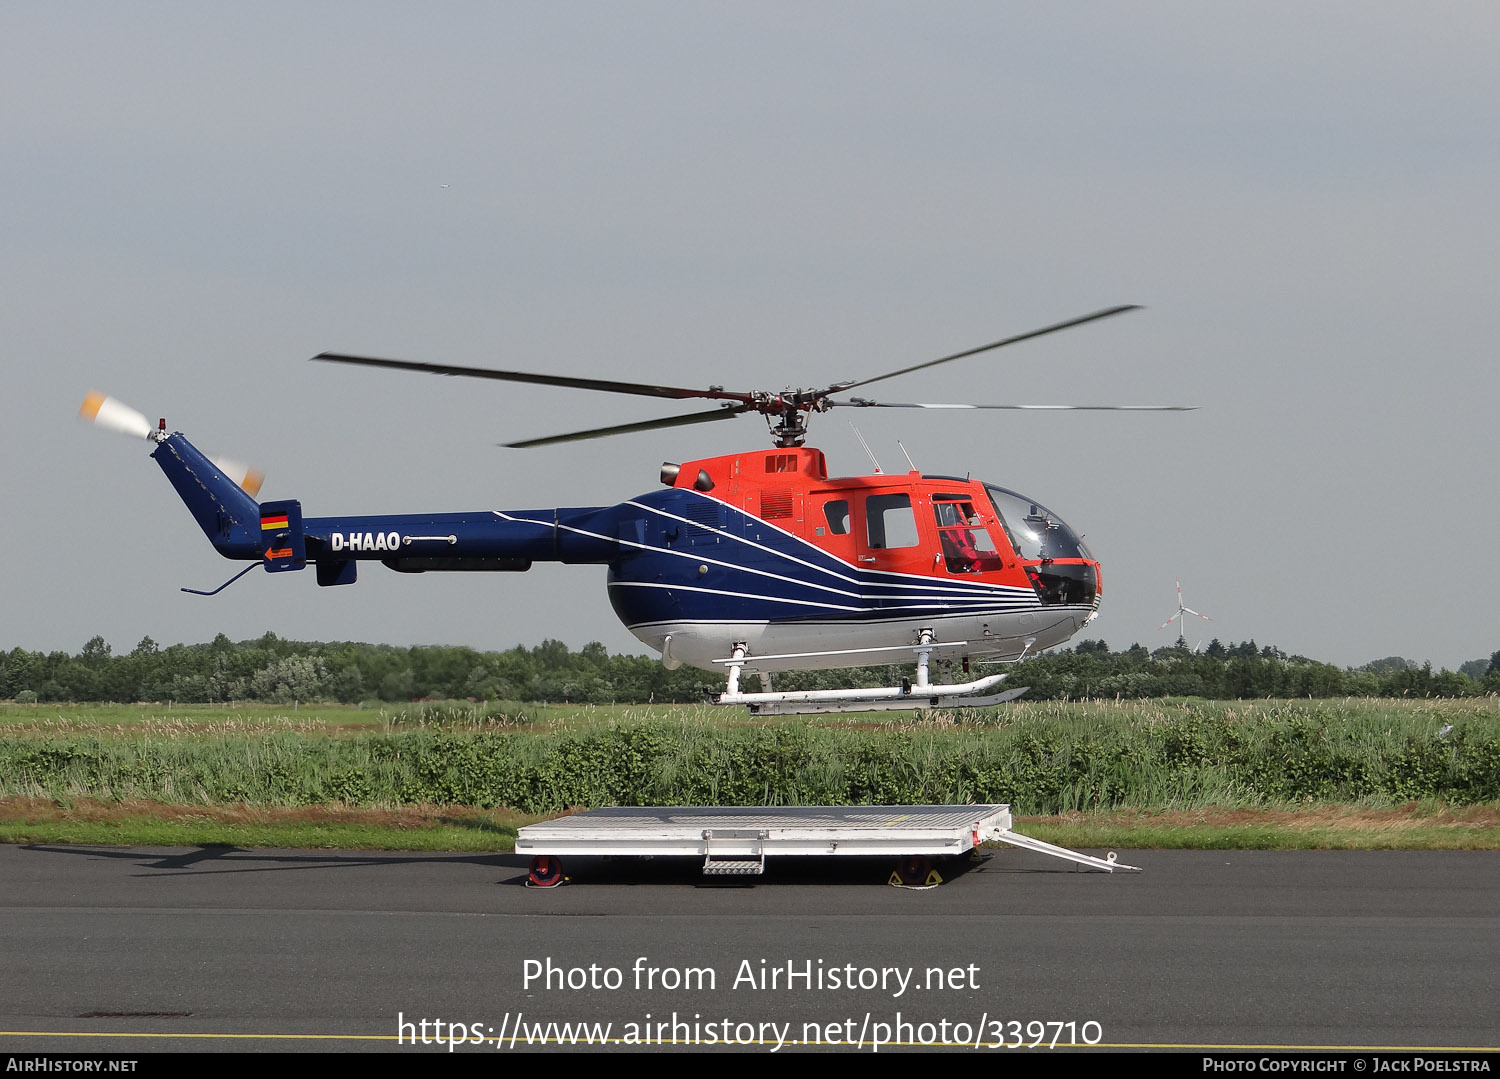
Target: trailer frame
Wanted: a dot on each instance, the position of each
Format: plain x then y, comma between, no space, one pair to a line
737,840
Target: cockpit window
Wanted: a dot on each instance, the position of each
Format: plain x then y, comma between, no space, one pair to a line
967,546
1035,532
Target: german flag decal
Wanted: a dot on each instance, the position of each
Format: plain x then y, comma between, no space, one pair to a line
282,544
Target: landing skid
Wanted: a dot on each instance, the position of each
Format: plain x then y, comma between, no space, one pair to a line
920,693
900,704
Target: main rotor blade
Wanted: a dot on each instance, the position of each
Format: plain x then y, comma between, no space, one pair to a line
606,385
1106,313
860,402
720,413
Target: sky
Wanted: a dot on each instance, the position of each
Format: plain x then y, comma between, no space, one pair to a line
195,199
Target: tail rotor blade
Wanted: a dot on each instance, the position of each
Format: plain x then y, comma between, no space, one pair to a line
249,479
112,415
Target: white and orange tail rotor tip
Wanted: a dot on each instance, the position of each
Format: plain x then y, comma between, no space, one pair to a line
248,478
104,411
110,414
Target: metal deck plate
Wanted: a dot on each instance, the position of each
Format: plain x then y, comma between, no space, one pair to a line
696,818
809,830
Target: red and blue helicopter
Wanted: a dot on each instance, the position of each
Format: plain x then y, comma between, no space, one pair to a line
753,562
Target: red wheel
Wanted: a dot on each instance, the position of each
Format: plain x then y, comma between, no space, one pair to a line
546,871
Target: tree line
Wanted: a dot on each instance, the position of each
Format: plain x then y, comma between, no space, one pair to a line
271,669
1239,671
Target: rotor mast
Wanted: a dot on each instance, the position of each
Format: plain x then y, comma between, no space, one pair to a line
789,429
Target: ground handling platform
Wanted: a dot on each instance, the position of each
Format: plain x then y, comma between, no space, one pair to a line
737,840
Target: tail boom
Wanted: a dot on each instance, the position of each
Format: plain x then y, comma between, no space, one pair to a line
277,534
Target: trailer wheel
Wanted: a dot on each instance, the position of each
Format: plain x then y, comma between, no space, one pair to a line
546,872
915,872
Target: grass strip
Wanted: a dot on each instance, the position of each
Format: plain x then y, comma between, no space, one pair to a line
452,828
152,824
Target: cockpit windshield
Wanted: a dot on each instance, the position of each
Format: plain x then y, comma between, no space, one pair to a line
1035,532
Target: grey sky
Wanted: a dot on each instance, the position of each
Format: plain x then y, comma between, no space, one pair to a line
196,198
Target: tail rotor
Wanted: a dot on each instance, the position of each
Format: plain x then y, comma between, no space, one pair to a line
113,415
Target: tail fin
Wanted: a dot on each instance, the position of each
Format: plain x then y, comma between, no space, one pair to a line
229,516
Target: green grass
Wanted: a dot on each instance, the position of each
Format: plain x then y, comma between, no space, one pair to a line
1162,773
1415,826
18,720
92,822
147,832
463,830
1414,715
22,719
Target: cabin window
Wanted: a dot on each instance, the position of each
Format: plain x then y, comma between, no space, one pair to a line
967,546
890,522
836,513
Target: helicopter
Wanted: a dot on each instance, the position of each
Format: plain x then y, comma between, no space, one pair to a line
750,563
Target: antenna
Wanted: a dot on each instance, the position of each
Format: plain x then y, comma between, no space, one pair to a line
866,445
910,463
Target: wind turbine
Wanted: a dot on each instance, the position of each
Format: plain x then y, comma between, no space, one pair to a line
1180,616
